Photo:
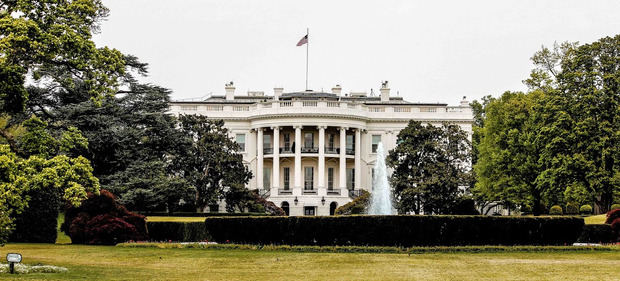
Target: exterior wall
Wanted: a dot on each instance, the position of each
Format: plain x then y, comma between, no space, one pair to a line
385,120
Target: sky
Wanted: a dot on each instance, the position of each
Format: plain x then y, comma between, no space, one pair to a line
429,51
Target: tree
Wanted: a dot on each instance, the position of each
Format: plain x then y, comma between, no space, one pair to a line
508,165
430,164
580,121
54,36
69,179
208,159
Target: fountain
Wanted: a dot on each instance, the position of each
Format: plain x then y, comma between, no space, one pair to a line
381,197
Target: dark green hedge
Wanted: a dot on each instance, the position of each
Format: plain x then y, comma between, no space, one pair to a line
596,233
38,223
177,231
404,231
194,214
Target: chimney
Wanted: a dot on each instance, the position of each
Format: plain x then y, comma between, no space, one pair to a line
337,90
277,92
230,91
385,92
464,102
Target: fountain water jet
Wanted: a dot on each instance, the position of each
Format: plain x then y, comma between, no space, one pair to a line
381,197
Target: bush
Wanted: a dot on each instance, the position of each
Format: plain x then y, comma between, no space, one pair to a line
585,210
555,210
355,207
572,208
38,223
596,233
464,206
177,231
613,218
526,210
396,230
614,207
101,220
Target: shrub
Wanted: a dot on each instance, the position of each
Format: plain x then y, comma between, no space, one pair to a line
177,231
101,220
614,207
38,223
572,208
357,206
596,233
396,230
585,210
555,210
613,218
464,206
198,214
526,210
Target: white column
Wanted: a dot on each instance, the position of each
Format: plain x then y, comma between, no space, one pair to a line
275,181
259,158
297,187
321,165
358,159
343,160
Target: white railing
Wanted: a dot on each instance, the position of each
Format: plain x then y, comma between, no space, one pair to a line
376,109
333,104
309,103
402,109
241,108
189,107
286,104
215,107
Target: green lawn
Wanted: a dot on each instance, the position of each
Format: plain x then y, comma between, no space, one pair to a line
598,219
179,219
116,263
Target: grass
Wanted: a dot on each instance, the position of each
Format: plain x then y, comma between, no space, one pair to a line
62,238
114,263
177,219
598,219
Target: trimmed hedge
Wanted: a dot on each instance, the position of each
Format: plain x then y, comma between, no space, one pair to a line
177,231
402,231
596,233
195,214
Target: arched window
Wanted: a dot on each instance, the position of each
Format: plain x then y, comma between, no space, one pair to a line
284,207
332,208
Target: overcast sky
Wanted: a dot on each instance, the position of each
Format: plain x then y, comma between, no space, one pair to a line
431,51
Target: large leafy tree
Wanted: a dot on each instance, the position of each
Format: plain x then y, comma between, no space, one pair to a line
209,160
430,164
507,164
40,37
580,125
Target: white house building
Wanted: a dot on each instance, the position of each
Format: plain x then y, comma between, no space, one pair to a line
311,152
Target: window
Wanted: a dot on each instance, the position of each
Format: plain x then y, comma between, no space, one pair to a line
330,178
330,142
350,142
285,208
266,141
287,142
287,178
266,178
240,139
309,211
308,178
376,139
309,140
350,178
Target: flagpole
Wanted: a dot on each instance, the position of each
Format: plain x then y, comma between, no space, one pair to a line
307,47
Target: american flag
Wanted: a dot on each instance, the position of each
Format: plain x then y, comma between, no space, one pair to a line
304,40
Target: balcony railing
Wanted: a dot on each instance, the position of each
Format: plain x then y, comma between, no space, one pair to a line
354,193
306,149
350,151
310,191
267,150
285,191
286,150
333,192
331,150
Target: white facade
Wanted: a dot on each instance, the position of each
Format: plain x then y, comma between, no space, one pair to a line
313,151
